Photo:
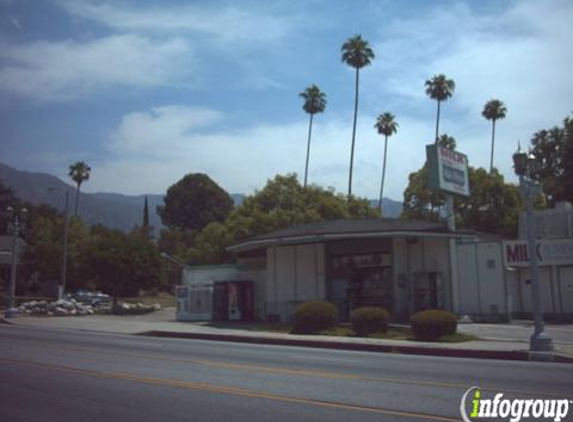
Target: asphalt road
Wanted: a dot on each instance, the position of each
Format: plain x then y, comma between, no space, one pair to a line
65,375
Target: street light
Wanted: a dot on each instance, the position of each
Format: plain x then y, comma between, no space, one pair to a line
62,286
17,220
525,166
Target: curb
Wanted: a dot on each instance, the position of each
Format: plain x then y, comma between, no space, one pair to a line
379,348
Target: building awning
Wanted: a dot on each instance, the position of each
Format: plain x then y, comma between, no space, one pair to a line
350,229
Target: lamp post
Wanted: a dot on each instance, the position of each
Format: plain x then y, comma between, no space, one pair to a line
15,226
525,166
64,271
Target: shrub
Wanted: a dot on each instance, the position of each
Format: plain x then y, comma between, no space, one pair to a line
369,320
432,324
312,317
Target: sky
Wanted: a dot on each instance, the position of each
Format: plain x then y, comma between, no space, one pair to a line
146,92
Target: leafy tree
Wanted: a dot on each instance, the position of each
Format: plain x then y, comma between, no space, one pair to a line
356,53
439,88
282,203
493,110
121,263
79,173
42,257
7,199
314,102
553,150
194,202
386,126
421,203
177,243
493,206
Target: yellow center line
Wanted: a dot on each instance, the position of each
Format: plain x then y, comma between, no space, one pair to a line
294,372
231,390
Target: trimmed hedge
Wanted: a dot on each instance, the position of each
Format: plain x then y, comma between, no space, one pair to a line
315,316
432,324
369,320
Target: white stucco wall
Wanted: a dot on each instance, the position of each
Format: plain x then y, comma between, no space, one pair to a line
295,274
481,279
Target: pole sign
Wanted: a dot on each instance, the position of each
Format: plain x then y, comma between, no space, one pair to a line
447,170
549,252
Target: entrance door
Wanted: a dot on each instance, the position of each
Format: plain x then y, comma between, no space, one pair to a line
427,291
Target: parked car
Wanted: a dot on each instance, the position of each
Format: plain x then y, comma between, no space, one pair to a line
92,298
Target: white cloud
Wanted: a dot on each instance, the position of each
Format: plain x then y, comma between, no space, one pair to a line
63,70
228,24
152,150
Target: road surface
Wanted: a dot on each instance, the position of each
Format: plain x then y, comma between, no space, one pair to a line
67,375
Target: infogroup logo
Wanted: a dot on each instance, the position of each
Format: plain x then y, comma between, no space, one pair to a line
511,409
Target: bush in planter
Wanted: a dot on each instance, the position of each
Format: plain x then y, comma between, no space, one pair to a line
432,324
312,317
369,320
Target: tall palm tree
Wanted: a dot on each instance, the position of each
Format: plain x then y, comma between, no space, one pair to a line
493,110
447,141
355,53
386,126
439,88
314,102
79,172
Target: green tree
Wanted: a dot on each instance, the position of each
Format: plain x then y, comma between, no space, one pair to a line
42,257
314,102
282,203
79,173
386,126
439,88
194,202
7,199
121,264
493,110
493,206
356,53
553,150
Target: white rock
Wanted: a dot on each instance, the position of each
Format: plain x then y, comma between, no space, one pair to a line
61,312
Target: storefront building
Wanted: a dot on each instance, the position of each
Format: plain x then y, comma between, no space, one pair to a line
403,266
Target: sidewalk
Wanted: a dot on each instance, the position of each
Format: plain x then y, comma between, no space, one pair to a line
496,341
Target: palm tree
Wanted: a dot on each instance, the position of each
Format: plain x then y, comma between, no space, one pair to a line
386,126
314,102
79,172
356,53
439,88
493,110
447,141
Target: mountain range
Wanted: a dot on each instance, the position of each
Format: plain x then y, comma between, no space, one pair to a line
113,210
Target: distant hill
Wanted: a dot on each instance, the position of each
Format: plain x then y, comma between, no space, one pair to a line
113,210
390,208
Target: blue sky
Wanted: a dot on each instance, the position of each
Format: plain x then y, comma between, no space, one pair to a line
147,91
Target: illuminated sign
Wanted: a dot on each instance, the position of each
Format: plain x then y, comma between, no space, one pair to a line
447,170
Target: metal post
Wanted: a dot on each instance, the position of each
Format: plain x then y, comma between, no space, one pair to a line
451,218
13,269
62,289
539,340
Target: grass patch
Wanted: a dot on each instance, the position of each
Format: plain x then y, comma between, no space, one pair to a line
341,330
457,338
